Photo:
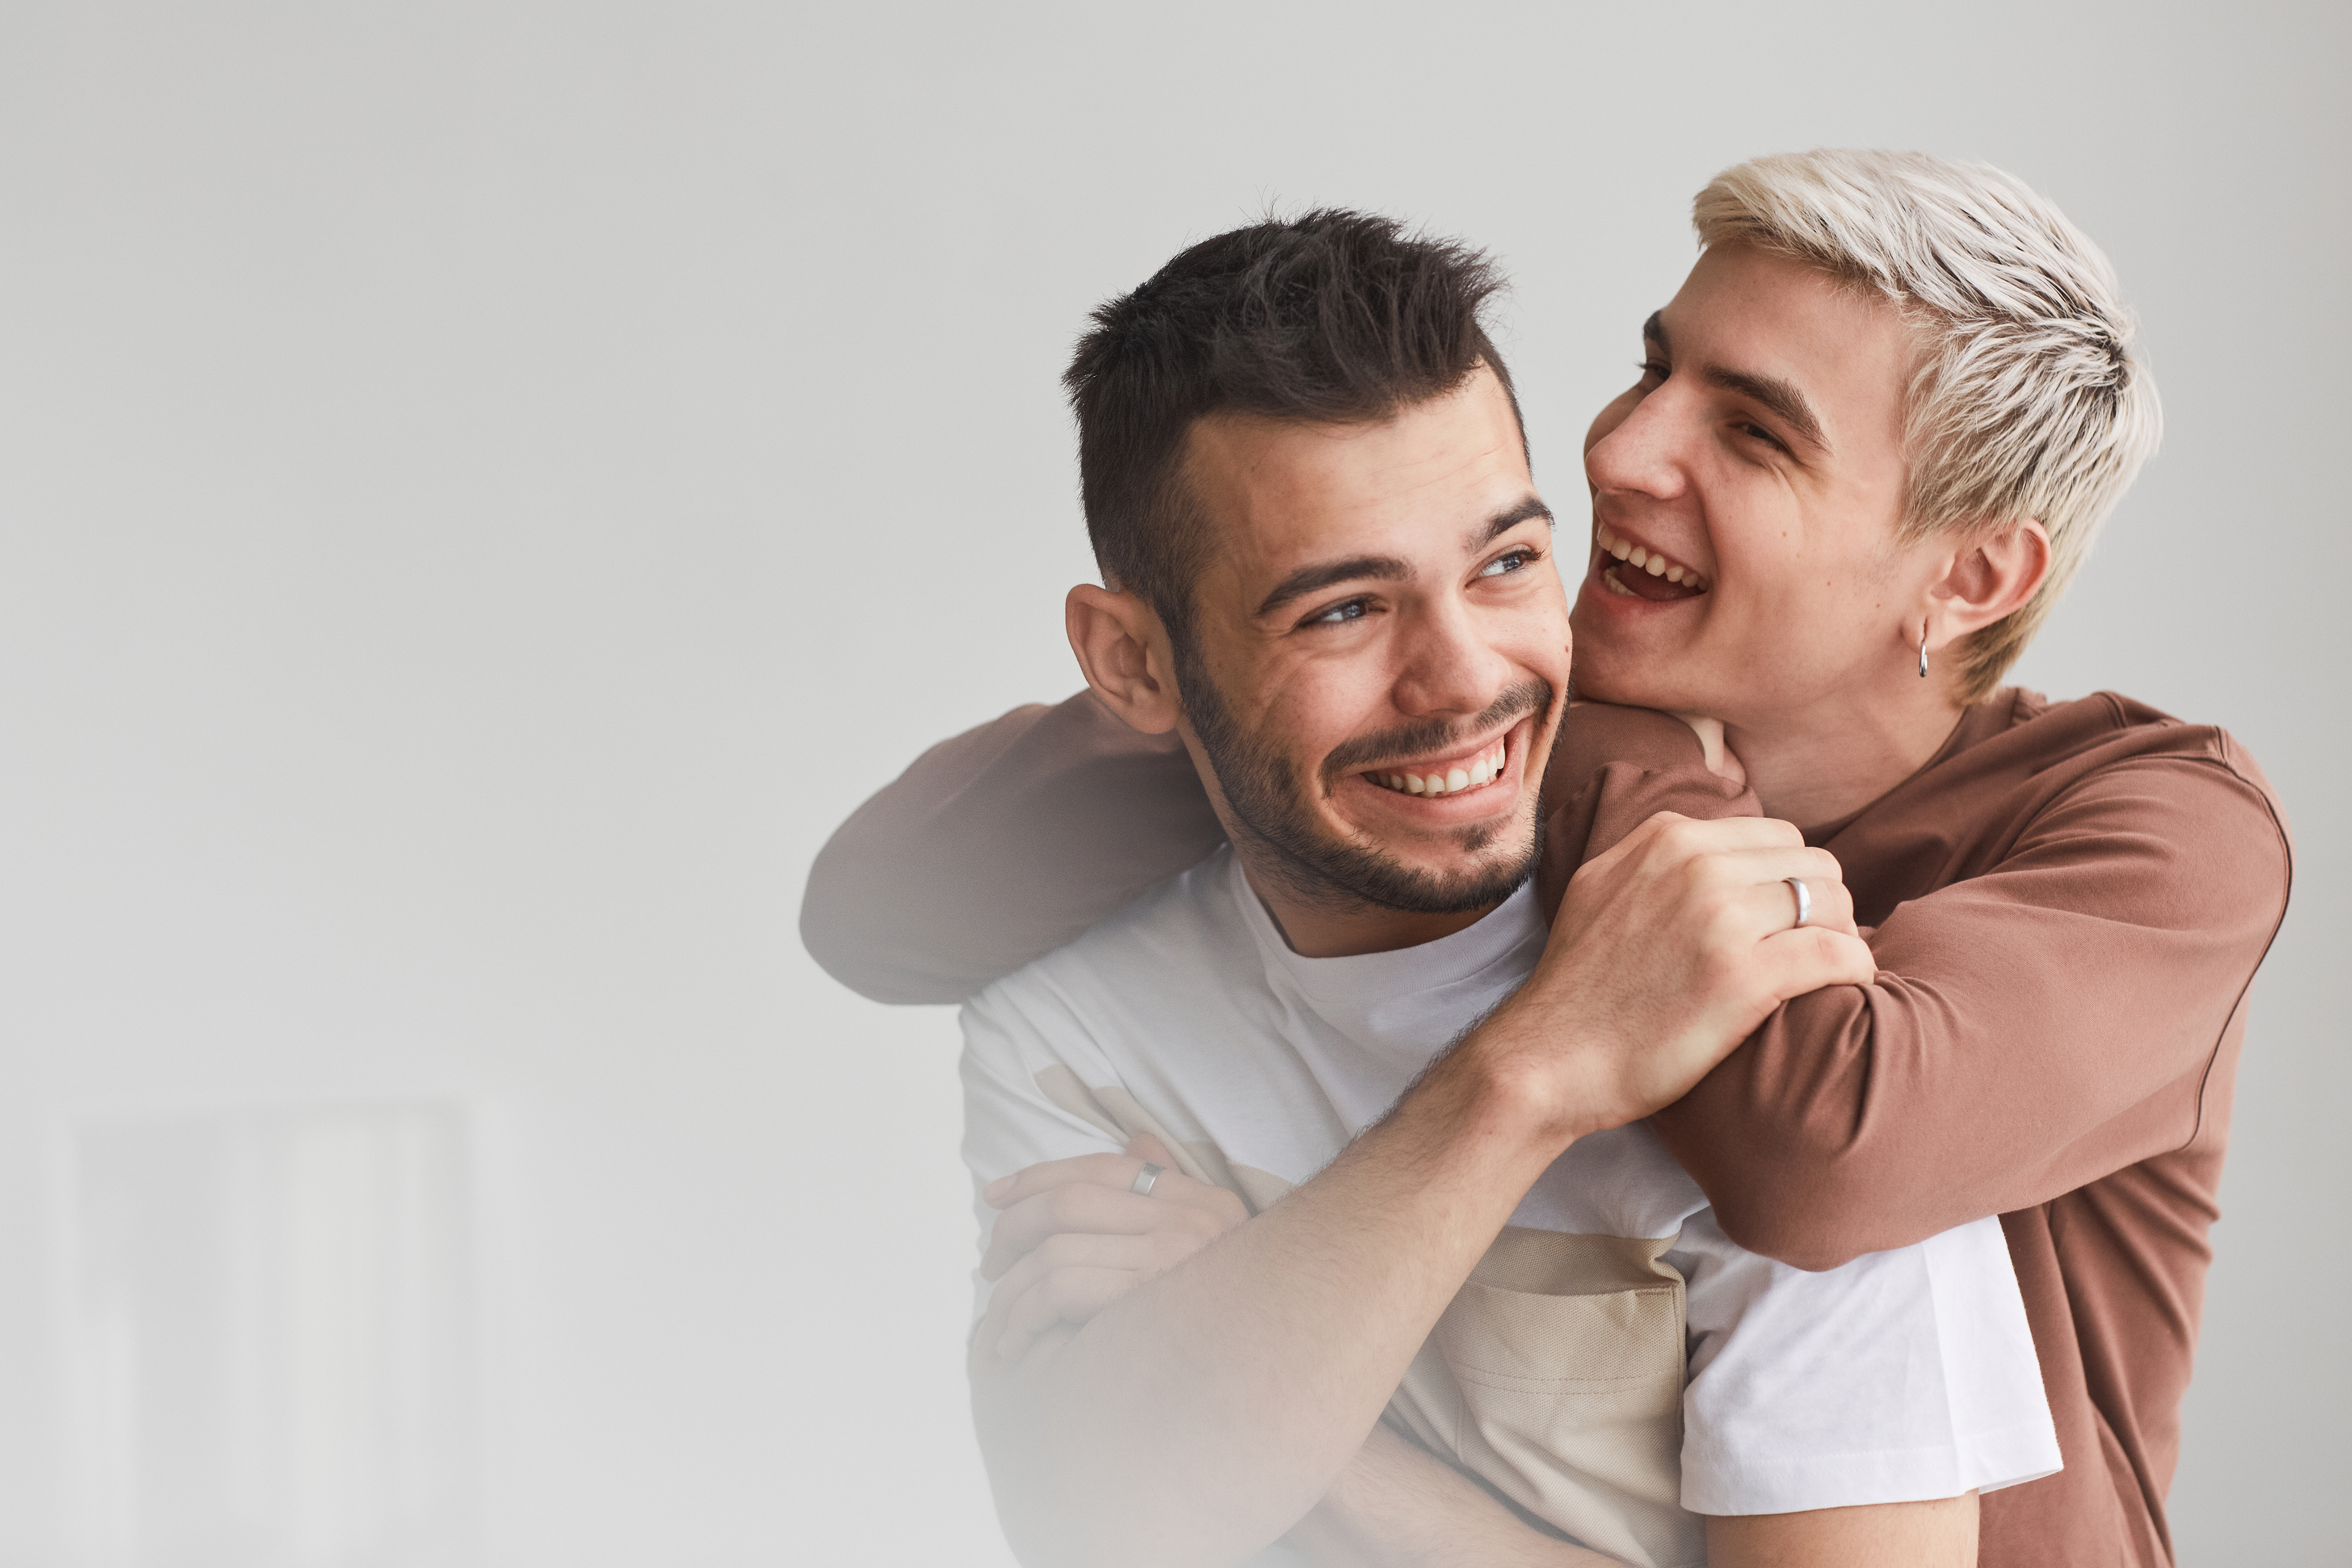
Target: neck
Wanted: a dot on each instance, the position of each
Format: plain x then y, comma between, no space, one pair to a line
1825,763
1330,926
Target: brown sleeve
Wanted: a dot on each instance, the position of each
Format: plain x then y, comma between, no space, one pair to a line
998,847
2031,1029
1611,770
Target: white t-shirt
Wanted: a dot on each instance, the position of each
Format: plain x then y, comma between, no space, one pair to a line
1616,1353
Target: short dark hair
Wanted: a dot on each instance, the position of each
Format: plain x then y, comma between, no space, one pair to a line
1334,317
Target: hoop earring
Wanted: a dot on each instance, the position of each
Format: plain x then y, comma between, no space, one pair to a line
1923,650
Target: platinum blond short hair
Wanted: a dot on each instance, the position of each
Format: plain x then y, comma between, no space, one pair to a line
2027,401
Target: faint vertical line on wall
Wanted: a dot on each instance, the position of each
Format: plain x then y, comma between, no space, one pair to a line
269,1338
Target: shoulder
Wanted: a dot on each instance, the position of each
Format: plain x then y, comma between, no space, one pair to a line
1161,949
2113,749
2107,728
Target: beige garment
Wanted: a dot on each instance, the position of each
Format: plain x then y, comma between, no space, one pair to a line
1556,1373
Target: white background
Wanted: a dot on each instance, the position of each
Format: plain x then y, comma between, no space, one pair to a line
486,487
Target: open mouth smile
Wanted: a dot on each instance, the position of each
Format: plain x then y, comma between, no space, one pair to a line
1637,572
1445,777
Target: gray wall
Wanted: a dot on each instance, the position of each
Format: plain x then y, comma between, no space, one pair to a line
486,487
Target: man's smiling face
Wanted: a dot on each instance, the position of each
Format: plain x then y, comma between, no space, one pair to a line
1379,647
1746,493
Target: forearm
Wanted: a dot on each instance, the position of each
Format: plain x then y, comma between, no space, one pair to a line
1250,1374
999,845
1398,1506
2033,1028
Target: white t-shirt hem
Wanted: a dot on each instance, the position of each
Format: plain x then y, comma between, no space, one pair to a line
1715,1481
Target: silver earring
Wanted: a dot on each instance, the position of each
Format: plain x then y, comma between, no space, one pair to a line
1923,650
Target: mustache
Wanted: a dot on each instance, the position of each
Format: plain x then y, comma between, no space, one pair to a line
1429,735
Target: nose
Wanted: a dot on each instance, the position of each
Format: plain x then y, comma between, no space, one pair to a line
1446,665
1642,456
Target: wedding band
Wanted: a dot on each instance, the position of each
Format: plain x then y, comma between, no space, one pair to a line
1804,900
1145,1179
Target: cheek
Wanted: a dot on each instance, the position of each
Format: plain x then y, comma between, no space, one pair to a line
1541,640
1308,707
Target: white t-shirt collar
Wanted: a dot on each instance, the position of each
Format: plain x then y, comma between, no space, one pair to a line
1363,984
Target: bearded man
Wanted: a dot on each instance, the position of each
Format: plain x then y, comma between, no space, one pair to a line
1873,436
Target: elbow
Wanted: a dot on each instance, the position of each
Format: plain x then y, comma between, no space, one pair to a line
848,953
1815,1225
850,933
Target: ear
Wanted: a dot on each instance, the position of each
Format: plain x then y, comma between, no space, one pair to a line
1124,653
1993,574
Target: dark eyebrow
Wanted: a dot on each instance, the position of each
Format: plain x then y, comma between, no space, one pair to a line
1653,330
1774,393
1509,518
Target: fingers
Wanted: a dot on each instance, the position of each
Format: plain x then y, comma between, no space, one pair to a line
1750,882
1071,1276
1078,1207
1099,1170
1114,1171
1124,1254
1771,905
1671,949
1796,960
1094,1194
1148,1146
1671,832
1072,1237
1092,1210
1070,1295
1710,737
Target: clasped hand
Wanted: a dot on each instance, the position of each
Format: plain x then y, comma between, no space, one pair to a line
1071,1237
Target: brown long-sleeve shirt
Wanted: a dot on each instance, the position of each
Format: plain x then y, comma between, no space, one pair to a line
2067,904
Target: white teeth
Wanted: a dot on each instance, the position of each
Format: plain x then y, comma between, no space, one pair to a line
1482,770
1645,559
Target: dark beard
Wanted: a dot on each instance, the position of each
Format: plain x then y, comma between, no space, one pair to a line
1269,803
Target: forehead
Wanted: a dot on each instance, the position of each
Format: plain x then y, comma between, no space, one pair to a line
1279,493
1846,347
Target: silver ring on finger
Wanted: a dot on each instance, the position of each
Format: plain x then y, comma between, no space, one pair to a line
1804,900
1146,1179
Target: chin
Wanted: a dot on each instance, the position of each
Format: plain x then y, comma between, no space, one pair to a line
1606,680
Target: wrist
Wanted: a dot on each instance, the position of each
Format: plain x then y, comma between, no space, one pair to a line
1521,1079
